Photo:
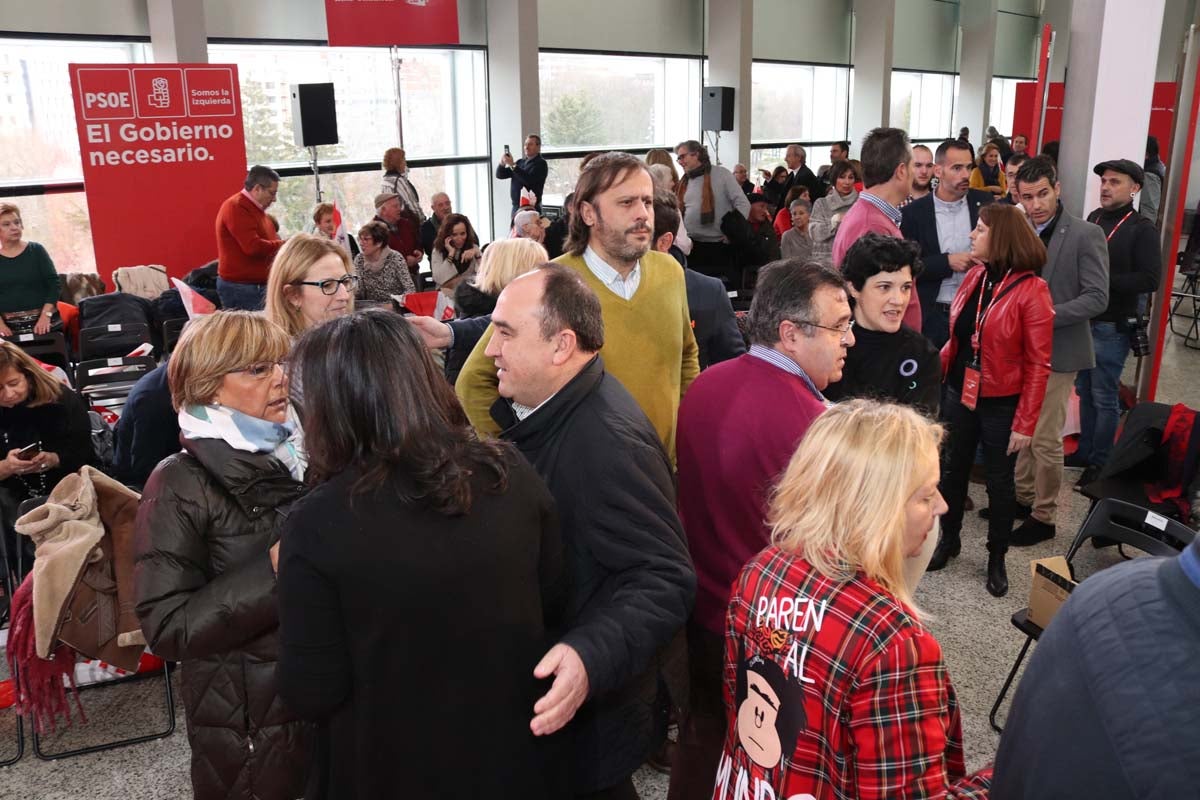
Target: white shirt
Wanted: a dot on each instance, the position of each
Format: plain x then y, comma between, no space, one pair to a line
954,236
625,287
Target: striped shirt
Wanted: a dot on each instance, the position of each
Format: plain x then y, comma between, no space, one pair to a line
887,208
778,359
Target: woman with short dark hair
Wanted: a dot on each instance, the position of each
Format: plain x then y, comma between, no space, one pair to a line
829,210
995,368
889,360
382,272
419,582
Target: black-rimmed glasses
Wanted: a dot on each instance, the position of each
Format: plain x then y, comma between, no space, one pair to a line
841,330
330,285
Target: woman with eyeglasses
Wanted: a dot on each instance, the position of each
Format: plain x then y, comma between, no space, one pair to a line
311,282
382,272
207,550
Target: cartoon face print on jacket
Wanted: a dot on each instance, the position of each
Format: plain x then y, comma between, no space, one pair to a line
770,712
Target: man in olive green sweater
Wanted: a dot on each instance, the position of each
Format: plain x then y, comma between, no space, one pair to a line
648,342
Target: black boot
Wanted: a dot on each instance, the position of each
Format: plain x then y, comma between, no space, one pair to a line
997,575
947,548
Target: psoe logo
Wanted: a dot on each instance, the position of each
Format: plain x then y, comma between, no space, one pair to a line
160,93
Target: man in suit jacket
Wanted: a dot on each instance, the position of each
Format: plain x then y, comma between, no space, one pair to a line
941,223
798,172
713,320
1077,271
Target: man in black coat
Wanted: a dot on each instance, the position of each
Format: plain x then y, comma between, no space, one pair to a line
713,320
633,580
941,223
527,173
798,172
1107,706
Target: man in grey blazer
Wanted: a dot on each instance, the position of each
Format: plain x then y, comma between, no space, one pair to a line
1077,271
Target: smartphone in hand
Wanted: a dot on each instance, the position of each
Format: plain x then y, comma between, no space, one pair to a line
27,453
507,151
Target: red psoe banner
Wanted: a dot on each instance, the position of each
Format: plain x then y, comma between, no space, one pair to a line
374,23
162,148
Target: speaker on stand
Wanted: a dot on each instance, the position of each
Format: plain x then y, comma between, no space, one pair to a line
716,113
314,120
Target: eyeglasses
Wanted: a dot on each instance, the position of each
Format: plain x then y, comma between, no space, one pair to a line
842,329
682,156
330,285
262,370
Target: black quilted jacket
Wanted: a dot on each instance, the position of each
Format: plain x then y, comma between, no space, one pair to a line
206,597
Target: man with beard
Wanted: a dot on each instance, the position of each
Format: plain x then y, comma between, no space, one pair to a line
941,222
649,345
922,173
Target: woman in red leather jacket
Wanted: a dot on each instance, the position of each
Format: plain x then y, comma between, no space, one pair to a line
994,367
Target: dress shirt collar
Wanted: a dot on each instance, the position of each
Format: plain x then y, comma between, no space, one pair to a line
250,197
623,287
778,359
887,208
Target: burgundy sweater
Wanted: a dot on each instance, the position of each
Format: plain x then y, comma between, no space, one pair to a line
739,424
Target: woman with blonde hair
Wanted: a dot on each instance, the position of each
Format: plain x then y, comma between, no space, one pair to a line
826,653
207,552
311,282
660,156
988,174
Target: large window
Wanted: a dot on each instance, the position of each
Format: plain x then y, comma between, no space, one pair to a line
799,102
442,94
1004,102
923,103
611,102
38,138
354,192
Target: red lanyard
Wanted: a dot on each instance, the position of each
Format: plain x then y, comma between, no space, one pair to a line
979,311
1117,227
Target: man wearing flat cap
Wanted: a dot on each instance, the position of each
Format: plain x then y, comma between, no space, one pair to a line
1134,264
403,231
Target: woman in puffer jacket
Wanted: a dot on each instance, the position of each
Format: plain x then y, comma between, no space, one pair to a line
207,548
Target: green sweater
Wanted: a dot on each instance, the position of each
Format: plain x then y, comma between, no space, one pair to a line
27,281
648,346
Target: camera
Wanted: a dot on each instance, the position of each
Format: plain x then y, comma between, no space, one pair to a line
1139,337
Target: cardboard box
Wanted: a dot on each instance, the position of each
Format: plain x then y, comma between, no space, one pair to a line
1049,589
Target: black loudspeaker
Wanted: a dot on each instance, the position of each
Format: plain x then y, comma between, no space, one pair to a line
716,108
314,119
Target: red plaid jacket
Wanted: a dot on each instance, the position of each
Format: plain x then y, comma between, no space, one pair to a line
834,691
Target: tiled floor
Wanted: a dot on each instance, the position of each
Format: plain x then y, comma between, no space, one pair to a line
973,628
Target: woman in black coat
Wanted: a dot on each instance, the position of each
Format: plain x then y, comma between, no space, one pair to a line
418,582
39,413
207,546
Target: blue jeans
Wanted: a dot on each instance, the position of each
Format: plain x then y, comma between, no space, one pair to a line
1099,403
245,296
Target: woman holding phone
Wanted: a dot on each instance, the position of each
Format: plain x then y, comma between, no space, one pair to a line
45,432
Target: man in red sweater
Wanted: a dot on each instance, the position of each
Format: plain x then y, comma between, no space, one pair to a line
739,424
247,241
403,231
887,180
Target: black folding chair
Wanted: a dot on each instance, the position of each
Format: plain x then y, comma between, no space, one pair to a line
50,348
172,328
107,382
1117,522
168,695
112,341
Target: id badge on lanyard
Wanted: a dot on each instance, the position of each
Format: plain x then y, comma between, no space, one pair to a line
973,372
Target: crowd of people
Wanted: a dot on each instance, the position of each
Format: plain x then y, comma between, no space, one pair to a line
589,506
